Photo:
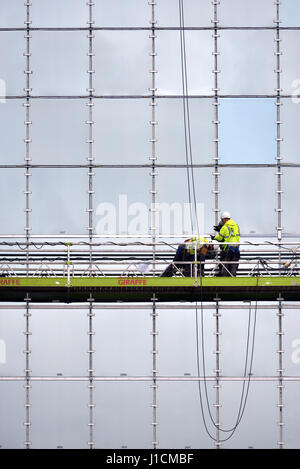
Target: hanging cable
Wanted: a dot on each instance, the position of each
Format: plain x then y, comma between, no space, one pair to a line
186,120
242,406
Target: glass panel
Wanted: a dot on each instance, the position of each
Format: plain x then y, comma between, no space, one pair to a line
119,13
122,131
290,13
55,13
170,131
57,347
12,14
199,48
251,205
180,422
290,214
177,326
247,62
245,13
121,206
258,427
12,136
122,62
290,115
233,341
56,207
59,132
59,415
123,415
12,342
124,342
12,430
290,77
291,342
247,131
64,71
291,415
172,188
12,63
196,13
12,185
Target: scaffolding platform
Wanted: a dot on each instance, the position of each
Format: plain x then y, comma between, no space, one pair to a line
140,289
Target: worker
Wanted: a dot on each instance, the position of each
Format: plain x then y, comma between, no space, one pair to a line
186,253
228,232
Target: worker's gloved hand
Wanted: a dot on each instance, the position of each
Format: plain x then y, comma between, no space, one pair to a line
212,237
218,227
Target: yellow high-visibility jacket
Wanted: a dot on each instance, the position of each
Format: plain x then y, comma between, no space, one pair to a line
230,232
198,242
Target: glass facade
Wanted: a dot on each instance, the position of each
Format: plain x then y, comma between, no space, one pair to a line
96,126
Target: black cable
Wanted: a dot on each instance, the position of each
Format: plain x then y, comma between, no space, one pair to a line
188,114
183,76
242,406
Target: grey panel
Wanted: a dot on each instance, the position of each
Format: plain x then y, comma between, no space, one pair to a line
123,342
12,433
251,55
199,47
254,13
59,415
12,185
12,146
64,70
13,62
120,55
59,132
56,207
123,415
59,342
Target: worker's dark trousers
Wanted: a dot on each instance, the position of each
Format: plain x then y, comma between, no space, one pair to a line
225,269
182,255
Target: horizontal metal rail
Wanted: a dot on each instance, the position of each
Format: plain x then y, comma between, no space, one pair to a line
149,378
155,28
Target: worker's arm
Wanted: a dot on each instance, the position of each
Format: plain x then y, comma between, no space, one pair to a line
223,234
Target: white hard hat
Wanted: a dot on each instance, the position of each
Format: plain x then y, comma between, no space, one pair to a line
225,215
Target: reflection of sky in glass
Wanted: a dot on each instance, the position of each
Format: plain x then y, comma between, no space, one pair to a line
247,131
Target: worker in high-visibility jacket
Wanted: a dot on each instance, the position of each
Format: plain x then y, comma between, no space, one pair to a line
184,259
228,232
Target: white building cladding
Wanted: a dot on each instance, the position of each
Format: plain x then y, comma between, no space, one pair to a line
91,113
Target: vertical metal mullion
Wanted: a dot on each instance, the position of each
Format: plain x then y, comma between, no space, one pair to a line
216,191
27,139
90,124
154,385
216,105
217,386
27,385
280,352
153,140
278,91
91,386
90,159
